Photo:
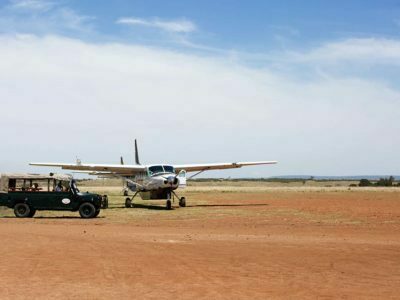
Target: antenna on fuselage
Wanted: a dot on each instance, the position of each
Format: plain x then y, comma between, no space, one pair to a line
136,154
122,160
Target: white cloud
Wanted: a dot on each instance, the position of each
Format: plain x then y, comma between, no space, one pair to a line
178,26
42,17
65,98
357,50
34,5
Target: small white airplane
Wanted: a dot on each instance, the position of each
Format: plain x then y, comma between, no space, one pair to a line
155,181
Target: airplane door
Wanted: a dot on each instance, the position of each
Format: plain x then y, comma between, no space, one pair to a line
182,178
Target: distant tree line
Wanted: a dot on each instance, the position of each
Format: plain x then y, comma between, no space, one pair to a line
381,182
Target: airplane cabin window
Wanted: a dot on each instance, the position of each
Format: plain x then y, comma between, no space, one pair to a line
169,169
156,169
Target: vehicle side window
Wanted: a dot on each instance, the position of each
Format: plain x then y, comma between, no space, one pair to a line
12,184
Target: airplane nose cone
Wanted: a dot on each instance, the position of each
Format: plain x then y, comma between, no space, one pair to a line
172,180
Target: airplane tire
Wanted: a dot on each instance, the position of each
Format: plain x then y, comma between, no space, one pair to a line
182,202
128,203
87,210
22,210
125,193
169,204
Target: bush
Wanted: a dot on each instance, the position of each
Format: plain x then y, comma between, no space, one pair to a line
365,182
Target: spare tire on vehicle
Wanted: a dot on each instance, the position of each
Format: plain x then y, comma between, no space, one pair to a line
87,210
22,210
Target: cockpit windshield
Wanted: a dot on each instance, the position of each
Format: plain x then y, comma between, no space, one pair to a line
161,169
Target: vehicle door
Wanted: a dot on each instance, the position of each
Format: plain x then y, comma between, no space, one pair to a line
60,200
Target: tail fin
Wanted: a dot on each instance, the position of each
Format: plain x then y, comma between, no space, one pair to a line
136,154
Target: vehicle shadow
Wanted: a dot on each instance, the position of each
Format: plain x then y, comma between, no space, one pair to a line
67,217
50,217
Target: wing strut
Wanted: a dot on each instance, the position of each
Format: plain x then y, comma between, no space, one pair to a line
198,173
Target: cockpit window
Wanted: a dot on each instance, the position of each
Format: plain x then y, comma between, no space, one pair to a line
156,169
169,169
160,169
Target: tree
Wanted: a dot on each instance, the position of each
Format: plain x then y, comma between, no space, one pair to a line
365,182
385,181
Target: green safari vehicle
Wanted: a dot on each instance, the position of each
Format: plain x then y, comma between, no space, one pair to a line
27,193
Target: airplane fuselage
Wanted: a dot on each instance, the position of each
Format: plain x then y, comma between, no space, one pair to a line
157,182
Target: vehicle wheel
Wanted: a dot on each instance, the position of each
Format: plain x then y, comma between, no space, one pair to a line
87,210
128,202
96,213
169,204
125,193
182,202
32,213
22,210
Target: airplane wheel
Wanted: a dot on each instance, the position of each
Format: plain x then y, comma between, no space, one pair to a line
128,203
125,193
169,204
182,202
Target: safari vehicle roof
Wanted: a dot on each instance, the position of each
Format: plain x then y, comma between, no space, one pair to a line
4,178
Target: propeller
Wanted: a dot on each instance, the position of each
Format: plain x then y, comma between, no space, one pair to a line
172,179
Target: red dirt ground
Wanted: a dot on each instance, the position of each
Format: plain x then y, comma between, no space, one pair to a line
223,246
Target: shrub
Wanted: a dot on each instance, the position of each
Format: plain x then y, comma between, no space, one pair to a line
365,182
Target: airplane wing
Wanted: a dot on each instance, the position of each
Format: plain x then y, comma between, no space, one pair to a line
219,166
100,169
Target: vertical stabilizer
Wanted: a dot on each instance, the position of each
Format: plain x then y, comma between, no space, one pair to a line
136,154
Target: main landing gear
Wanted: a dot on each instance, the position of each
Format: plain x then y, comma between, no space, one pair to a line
168,205
182,201
128,201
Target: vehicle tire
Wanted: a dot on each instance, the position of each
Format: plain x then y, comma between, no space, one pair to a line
128,202
22,210
169,204
87,210
96,213
32,213
182,202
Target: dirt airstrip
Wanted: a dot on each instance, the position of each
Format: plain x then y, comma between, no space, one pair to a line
225,245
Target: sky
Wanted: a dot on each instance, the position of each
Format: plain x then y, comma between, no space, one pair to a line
312,84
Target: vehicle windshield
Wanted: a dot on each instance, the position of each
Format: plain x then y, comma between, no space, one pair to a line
161,169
